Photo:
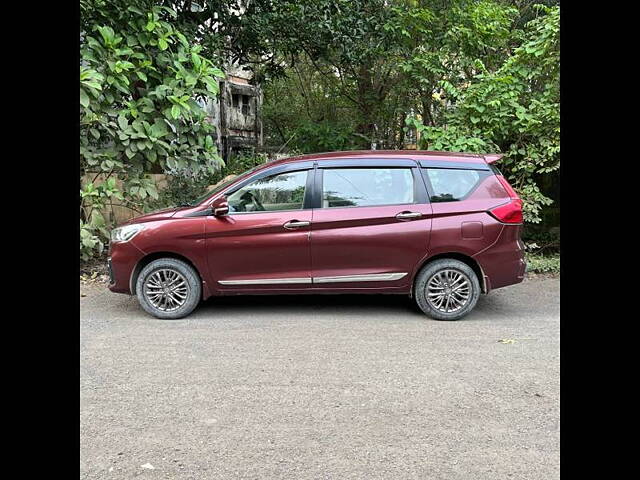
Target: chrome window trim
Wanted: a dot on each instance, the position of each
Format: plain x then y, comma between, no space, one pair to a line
372,206
233,214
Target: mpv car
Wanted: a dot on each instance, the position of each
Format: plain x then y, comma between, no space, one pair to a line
440,227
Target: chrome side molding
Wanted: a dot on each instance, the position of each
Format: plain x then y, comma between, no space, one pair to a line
370,277
266,281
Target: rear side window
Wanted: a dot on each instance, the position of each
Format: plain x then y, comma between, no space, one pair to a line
360,187
450,185
495,170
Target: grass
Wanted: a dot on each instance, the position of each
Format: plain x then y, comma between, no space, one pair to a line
537,263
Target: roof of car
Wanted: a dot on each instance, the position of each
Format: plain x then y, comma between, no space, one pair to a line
387,154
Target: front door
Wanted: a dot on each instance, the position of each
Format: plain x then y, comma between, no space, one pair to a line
371,229
263,243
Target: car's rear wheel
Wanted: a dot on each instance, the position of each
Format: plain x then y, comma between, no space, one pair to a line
447,289
168,288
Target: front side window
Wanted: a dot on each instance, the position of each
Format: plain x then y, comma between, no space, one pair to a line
360,187
284,191
450,185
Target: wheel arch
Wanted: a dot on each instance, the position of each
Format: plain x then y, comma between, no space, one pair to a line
464,258
147,259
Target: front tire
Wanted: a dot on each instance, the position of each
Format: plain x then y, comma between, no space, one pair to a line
168,288
447,289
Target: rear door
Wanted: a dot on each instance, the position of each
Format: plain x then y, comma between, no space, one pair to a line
372,225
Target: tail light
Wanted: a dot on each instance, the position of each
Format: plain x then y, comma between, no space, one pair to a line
512,211
509,213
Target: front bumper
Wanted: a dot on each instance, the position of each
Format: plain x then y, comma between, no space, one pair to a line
123,258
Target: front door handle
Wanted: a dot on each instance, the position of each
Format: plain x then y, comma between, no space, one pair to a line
408,215
293,224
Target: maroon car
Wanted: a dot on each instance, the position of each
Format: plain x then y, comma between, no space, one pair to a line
441,227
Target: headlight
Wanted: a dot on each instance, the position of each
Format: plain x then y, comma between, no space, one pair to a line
126,233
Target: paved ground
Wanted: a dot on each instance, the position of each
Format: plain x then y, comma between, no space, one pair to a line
321,387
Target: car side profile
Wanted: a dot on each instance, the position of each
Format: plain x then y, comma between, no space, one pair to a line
441,227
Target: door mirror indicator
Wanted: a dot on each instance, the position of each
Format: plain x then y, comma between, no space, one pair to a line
220,206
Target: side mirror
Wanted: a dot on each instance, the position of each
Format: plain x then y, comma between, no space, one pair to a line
220,206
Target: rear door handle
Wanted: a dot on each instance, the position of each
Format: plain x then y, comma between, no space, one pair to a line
293,224
408,215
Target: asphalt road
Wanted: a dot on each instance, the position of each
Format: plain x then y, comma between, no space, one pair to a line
348,387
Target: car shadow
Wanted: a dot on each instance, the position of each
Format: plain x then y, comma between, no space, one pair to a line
344,304
488,307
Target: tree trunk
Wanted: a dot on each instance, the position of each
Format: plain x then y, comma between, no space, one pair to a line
367,103
427,117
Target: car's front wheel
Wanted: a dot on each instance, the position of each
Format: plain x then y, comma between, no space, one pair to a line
447,289
168,288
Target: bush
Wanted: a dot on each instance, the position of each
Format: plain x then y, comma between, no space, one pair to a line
537,263
143,85
315,137
540,241
185,186
514,110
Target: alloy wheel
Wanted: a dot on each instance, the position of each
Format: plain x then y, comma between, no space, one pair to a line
166,289
448,290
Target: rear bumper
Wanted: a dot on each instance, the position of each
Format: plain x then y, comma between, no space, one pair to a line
123,258
503,263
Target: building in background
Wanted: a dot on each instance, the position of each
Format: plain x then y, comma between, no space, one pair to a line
236,114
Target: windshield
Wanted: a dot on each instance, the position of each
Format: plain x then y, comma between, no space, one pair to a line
220,187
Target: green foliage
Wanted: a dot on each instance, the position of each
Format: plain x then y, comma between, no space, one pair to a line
142,87
541,241
323,137
446,44
90,243
306,112
451,139
242,162
537,263
184,187
378,60
514,110
518,108
345,42
94,231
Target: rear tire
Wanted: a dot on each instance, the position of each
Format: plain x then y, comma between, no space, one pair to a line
447,289
168,288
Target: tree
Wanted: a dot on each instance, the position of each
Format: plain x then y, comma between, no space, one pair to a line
514,110
385,58
445,44
142,87
344,40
